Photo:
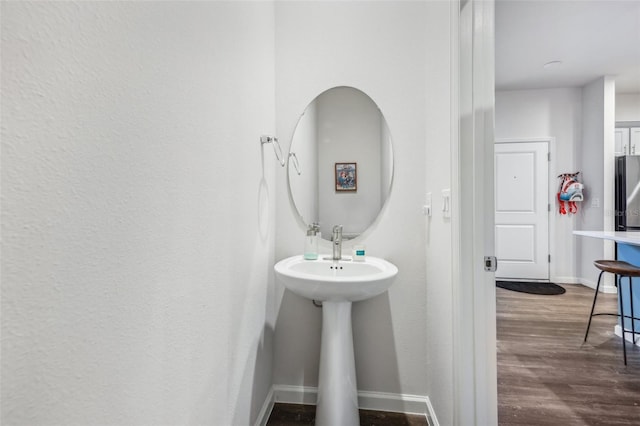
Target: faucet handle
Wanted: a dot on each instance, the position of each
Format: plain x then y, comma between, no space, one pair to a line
336,235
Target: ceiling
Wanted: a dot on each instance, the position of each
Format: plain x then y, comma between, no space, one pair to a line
591,38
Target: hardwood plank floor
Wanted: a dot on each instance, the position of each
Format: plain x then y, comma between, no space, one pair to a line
548,376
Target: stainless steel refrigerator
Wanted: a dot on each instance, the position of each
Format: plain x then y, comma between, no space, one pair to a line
628,193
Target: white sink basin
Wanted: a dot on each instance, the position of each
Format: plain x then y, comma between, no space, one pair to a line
336,281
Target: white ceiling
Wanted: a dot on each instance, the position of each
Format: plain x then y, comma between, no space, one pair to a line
592,38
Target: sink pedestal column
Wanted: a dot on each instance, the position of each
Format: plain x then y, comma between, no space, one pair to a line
337,392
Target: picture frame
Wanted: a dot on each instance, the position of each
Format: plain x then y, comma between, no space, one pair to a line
346,177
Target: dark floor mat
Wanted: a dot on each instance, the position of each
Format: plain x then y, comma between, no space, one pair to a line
531,287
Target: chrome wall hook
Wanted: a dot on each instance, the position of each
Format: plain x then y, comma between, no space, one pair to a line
276,147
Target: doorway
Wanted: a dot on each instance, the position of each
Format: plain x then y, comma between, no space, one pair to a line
522,210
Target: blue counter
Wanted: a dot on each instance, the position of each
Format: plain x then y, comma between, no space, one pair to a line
628,250
630,253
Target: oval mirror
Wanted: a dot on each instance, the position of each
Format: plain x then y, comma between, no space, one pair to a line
340,167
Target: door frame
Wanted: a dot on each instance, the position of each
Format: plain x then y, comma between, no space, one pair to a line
550,141
472,222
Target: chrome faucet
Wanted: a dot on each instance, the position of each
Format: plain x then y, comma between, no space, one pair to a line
336,237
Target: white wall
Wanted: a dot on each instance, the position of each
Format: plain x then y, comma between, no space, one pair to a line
627,106
436,162
137,212
385,49
596,159
555,113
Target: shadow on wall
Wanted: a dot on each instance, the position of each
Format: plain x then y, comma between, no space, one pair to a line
263,210
375,346
257,377
253,373
297,341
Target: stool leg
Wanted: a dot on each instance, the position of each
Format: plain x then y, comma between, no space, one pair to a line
633,317
595,297
624,341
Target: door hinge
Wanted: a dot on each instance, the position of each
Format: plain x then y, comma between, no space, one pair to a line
549,207
549,258
548,156
490,263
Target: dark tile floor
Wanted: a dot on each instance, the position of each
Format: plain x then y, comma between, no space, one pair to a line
297,414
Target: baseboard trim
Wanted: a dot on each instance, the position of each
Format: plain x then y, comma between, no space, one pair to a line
399,403
295,394
604,287
379,401
628,336
265,411
432,420
565,280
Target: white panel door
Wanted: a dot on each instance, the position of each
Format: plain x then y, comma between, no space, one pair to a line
522,216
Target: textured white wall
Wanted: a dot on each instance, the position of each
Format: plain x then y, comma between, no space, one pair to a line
556,113
137,212
397,53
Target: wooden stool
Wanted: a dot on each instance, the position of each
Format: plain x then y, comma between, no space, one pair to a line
621,269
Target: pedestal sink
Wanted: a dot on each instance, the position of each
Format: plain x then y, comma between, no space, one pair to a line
337,283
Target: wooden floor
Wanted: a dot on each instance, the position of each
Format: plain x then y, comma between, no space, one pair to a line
298,414
548,376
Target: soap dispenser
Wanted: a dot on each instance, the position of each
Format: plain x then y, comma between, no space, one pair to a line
311,242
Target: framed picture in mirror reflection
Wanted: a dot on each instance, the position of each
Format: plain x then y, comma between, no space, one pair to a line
346,177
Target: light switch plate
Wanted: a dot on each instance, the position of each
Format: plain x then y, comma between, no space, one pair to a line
446,203
427,209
